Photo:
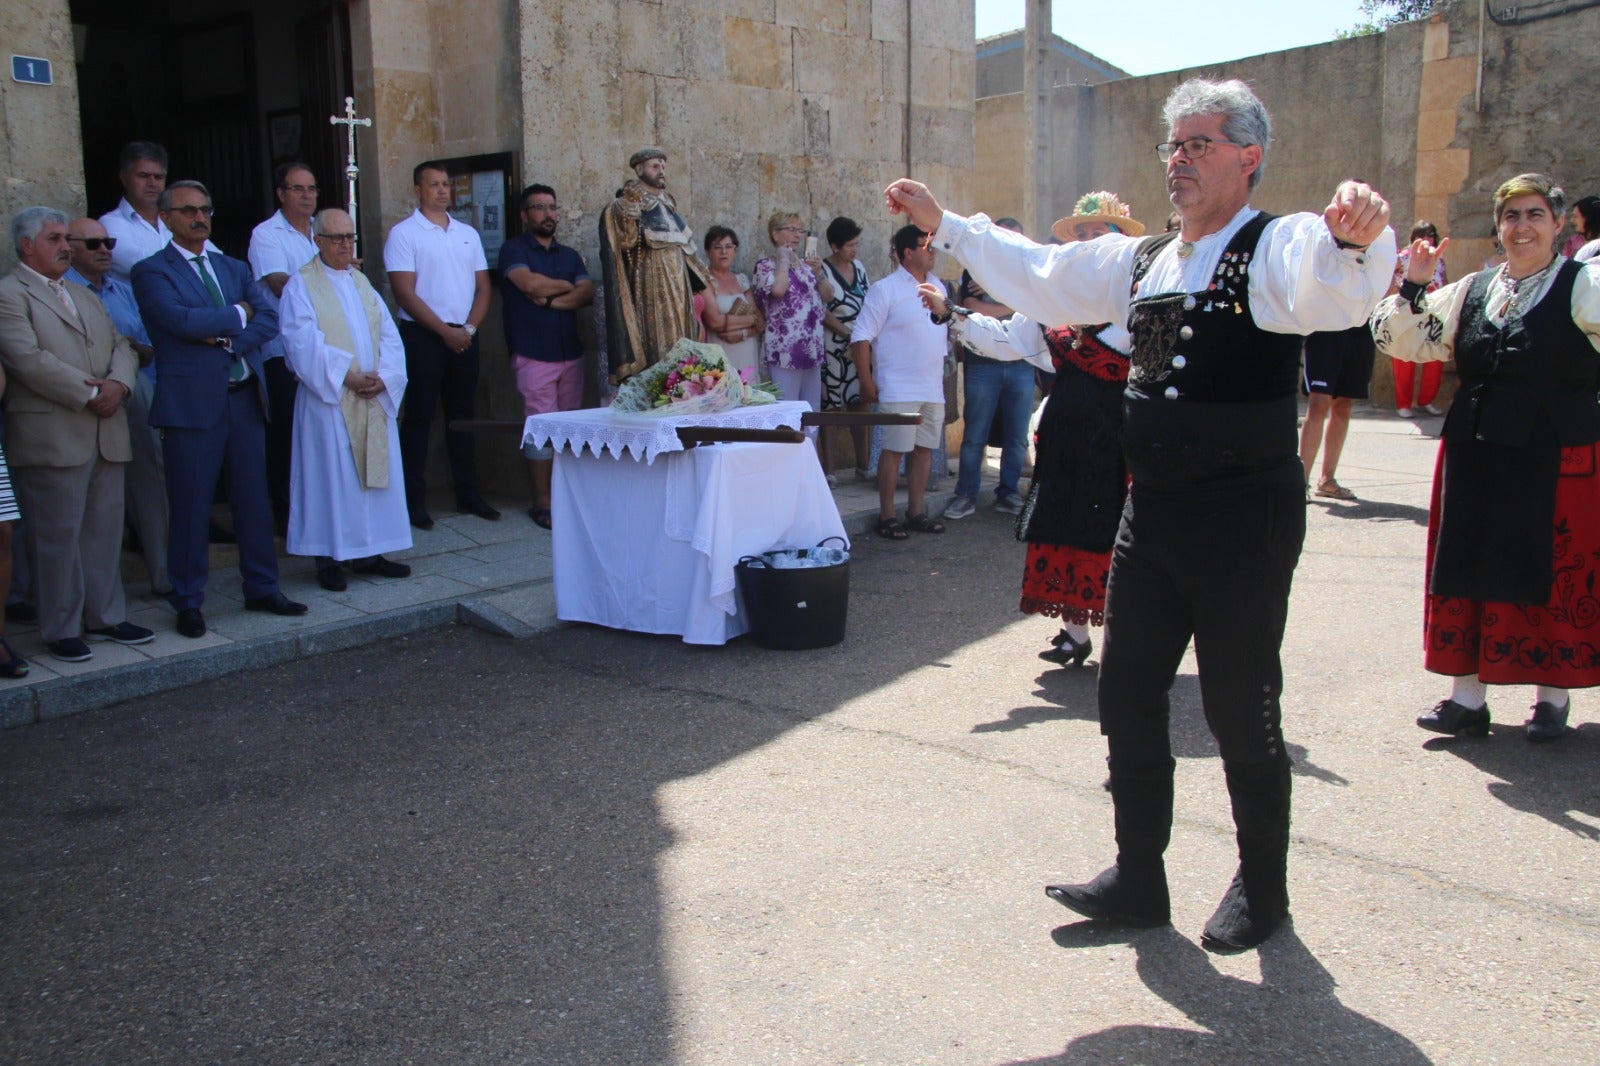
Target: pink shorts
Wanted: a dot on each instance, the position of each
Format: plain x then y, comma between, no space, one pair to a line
548,387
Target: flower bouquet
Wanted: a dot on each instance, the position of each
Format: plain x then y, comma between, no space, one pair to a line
693,379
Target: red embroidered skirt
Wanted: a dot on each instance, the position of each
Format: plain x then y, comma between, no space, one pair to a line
1509,644
1067,583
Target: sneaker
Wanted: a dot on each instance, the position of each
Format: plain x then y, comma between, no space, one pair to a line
69,650
1008,504
961,507
1406,412
1432,410
122,633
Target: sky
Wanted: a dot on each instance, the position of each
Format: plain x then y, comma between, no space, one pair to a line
1129,34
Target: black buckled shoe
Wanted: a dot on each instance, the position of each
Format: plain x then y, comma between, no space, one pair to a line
1548,721
1066,652
1452,718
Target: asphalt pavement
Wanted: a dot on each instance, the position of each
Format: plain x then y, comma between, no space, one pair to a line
587,846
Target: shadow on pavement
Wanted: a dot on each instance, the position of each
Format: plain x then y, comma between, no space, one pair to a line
1553,780
442,848
1376,511
1292,1015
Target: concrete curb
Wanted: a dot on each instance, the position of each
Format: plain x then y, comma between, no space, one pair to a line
59,697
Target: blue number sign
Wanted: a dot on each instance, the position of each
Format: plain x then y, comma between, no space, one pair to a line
31,69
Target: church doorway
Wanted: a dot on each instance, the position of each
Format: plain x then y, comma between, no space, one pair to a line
230,88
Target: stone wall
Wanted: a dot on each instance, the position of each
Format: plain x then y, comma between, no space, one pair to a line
1398,109
761,105
40,158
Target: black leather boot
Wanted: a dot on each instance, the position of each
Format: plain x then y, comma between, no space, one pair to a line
1257,901
1134,891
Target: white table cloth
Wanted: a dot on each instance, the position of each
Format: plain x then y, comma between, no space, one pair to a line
646,436
651,547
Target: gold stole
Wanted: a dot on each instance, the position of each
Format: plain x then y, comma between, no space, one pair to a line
364,420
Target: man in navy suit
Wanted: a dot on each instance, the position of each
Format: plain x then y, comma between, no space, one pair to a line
205,314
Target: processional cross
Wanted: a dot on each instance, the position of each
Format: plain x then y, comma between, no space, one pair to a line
350,122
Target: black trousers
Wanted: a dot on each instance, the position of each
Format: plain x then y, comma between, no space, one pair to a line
1215,565
281,388
435,373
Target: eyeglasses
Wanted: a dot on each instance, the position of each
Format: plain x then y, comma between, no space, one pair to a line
338,238
298,188
551,208
191,210
94,243
790,229
1191,147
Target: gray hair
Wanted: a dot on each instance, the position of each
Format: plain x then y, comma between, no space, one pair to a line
1244,116
164,201
30,220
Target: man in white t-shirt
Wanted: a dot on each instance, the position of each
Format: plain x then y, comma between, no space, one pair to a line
279,247
440,279
899,352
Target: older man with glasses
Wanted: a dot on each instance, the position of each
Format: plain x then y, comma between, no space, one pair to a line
279,247
1215,516
349,499
206,315
144,481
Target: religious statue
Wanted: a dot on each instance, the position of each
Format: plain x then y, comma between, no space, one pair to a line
651,273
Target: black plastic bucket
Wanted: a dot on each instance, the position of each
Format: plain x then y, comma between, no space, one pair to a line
794,609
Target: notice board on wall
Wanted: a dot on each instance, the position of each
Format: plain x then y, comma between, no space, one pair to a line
485,189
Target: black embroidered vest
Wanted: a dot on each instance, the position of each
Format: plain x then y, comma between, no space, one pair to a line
1211,395
1533,375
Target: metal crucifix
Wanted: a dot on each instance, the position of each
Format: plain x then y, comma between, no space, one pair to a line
350,122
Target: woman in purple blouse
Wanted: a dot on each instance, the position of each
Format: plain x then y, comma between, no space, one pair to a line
793,293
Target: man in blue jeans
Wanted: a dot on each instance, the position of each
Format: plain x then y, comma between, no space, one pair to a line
999,396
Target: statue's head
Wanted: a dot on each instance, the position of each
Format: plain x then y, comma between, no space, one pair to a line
650,164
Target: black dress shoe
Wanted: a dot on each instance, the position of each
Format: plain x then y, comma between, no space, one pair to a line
422,519
477,505
277,603
1452,718
1548,723
381,567
191,623
330,575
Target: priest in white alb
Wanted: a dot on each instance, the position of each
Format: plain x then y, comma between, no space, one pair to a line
347,502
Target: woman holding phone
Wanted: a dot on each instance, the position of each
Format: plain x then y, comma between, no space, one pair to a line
792,291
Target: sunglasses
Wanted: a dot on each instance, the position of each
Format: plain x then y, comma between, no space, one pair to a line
94,243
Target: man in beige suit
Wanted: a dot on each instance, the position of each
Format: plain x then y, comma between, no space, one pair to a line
69,373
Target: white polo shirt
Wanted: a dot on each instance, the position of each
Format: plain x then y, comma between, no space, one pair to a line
445,260
136,239
908,350
276,247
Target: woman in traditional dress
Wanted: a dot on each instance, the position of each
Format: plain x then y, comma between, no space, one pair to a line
1407,401
840,389
1514,527
731,316
1079,480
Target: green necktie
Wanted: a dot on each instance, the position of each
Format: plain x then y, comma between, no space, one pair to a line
237,371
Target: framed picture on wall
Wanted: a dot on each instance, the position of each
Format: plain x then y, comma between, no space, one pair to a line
283,135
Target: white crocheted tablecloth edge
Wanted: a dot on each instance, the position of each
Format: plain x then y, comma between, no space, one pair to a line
646,436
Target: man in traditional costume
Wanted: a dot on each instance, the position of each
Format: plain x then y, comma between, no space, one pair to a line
651,274
346,486
1215,517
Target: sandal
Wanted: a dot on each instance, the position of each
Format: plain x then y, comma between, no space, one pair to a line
540,516
1333,490
892,529
923,524
14,665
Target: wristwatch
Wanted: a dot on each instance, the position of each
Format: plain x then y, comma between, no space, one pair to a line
472,331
